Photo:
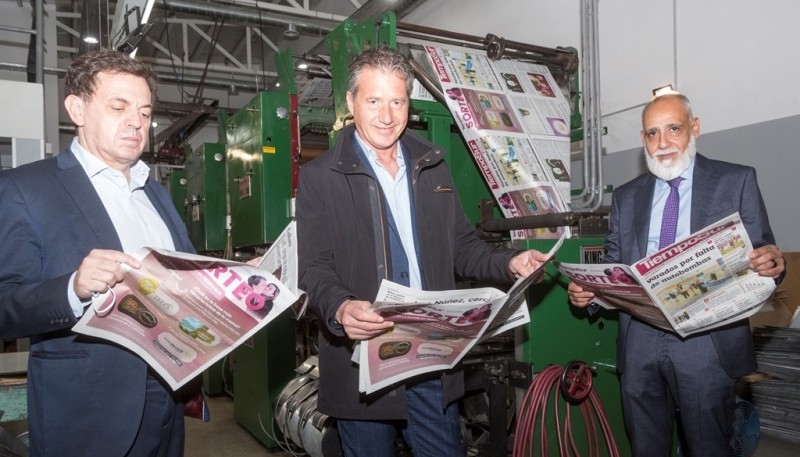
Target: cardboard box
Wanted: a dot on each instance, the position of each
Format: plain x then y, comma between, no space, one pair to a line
779,310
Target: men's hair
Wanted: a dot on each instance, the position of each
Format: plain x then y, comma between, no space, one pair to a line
687,106
255,280
81,78
384,59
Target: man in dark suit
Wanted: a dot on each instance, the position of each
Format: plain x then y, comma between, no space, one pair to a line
68,225
662,373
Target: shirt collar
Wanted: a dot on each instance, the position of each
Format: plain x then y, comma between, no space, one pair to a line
373,156
139,172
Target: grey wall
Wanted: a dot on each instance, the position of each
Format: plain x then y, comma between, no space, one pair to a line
770,147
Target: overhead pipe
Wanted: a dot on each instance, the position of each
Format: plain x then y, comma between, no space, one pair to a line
496,47
591,196
247,15
162,77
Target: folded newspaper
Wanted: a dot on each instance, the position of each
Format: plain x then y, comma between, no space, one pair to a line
694,285
183,312
434,330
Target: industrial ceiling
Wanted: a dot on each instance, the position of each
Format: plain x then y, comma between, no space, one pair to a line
219,43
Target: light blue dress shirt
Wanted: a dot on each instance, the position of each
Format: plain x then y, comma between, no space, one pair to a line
135,219
684,212
399,201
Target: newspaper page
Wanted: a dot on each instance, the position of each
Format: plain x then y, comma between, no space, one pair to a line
515,121
183,312
434,330
694,285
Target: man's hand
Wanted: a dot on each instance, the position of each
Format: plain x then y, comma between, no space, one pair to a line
525,263
101,270
578,297
359,323
767,261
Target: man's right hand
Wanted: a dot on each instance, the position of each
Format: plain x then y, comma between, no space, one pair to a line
579,297
101,270
359,322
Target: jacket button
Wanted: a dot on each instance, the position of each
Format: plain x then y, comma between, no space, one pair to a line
404,275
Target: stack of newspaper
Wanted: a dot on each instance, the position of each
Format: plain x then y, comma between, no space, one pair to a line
778,400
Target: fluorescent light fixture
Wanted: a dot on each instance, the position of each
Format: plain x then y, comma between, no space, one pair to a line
90,40
663,90
291,31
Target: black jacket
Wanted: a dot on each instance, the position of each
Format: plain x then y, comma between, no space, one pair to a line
343,253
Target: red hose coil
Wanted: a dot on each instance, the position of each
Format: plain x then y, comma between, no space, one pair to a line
548,387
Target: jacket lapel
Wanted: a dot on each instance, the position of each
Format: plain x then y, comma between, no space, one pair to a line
77,185
703,183
643,202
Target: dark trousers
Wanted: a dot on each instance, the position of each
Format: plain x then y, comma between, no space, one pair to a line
665,376
430,430
162,432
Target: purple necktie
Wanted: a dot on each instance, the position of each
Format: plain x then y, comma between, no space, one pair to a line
669,222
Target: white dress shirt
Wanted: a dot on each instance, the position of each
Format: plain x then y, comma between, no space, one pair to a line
135,219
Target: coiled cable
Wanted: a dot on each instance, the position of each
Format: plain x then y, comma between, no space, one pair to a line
560,390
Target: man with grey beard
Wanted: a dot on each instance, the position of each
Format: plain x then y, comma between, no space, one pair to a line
661,373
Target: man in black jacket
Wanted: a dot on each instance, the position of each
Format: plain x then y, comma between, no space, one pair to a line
382,204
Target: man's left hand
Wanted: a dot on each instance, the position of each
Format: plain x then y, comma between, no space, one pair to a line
525,263
767,261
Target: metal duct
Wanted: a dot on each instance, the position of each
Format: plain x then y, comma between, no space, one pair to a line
373,8
169,77
248,15
241,84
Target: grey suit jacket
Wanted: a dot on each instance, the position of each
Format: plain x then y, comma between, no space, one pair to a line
80,390
719,189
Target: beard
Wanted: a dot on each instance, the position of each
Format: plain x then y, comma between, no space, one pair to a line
672,168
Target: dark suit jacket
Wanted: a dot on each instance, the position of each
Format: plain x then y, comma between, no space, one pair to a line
719,189
80,390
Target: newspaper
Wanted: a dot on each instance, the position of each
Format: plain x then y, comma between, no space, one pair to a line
434,330
516,122
183,312
693,285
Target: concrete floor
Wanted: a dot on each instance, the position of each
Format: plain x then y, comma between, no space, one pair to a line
223,437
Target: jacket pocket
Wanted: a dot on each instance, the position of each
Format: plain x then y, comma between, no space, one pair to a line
50,355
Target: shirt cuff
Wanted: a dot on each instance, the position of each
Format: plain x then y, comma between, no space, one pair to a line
74,302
